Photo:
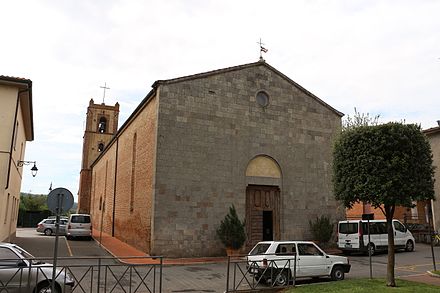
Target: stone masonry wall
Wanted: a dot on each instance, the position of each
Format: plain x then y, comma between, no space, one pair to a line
210,128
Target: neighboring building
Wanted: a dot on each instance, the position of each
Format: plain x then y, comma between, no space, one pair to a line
433,135
415,215
247,136
16,120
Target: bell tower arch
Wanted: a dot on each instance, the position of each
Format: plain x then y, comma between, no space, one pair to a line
101,126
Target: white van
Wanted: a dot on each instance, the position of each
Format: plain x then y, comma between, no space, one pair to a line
353,236
79,225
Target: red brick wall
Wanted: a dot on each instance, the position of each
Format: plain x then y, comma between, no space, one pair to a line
400,213
132,223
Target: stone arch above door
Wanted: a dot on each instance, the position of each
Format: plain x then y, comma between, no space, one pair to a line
263,178
263,170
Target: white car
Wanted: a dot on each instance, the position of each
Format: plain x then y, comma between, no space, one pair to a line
21,272
275,261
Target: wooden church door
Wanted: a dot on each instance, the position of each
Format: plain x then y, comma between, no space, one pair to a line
262,214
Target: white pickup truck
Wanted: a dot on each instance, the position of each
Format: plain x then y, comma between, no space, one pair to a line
275,261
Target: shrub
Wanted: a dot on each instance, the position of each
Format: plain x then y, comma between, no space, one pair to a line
322,229
231,230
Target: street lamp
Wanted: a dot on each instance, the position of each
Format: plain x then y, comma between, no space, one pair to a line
34,169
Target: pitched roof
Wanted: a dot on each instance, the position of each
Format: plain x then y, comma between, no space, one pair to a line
432,130
239,67
25,94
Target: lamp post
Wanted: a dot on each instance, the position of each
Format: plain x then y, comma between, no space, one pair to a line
34,169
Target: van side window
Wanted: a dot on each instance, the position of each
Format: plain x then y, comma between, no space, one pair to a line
399,227
375,228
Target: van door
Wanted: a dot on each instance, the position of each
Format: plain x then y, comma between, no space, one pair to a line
399,233
348,235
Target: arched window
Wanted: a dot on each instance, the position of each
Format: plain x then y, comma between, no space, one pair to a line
102,125
100,147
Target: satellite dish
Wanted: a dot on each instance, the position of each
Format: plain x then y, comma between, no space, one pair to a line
59,200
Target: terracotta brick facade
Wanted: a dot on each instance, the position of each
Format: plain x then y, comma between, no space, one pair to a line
124,210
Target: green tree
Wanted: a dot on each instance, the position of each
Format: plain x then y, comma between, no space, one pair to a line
385,165
359,119
33,202
231,230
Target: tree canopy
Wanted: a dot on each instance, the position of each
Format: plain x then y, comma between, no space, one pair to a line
388,164
37,202
359,119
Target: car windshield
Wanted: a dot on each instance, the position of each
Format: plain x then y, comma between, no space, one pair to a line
26,255
260,248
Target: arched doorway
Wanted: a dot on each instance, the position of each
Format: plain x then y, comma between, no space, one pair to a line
263,176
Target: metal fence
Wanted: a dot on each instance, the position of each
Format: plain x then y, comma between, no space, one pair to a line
244,275
85,275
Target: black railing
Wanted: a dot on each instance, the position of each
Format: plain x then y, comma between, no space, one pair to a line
85,275
245,275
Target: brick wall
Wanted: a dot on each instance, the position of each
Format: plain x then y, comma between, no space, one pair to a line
133,206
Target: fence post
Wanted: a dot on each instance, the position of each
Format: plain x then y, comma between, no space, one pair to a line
160,283
99,273
227,275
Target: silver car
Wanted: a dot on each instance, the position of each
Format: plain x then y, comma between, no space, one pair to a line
21,272
47,226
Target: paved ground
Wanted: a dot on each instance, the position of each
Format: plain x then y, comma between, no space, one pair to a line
211,276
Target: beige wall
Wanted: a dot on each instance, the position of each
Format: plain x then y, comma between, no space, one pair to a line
133,207
9,197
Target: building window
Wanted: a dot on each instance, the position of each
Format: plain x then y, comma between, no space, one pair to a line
262,99
100,147
133,172
102,125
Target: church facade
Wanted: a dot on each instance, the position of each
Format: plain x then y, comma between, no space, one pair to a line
246,136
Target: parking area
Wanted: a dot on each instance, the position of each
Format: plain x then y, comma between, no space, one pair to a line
211,277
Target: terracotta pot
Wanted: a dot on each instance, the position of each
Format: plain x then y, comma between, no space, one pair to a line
232,251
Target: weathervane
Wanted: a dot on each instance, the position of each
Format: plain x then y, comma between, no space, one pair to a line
262,50
105,88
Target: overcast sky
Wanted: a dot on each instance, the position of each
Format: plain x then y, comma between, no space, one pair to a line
381,57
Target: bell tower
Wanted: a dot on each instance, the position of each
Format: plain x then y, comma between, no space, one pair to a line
101,126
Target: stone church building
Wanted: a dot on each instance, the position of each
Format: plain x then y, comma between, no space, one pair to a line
247,136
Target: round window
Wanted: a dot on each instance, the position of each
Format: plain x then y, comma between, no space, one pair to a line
262,99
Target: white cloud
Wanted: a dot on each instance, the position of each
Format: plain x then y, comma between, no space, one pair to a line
378,56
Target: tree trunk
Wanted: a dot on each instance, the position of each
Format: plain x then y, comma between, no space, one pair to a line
391,281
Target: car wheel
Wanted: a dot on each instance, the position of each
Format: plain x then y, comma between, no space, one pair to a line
48,232
281,279
260,279
45,287
371,249
409,246
337,273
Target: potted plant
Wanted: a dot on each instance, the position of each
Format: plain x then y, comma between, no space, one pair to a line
232,232
322,229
